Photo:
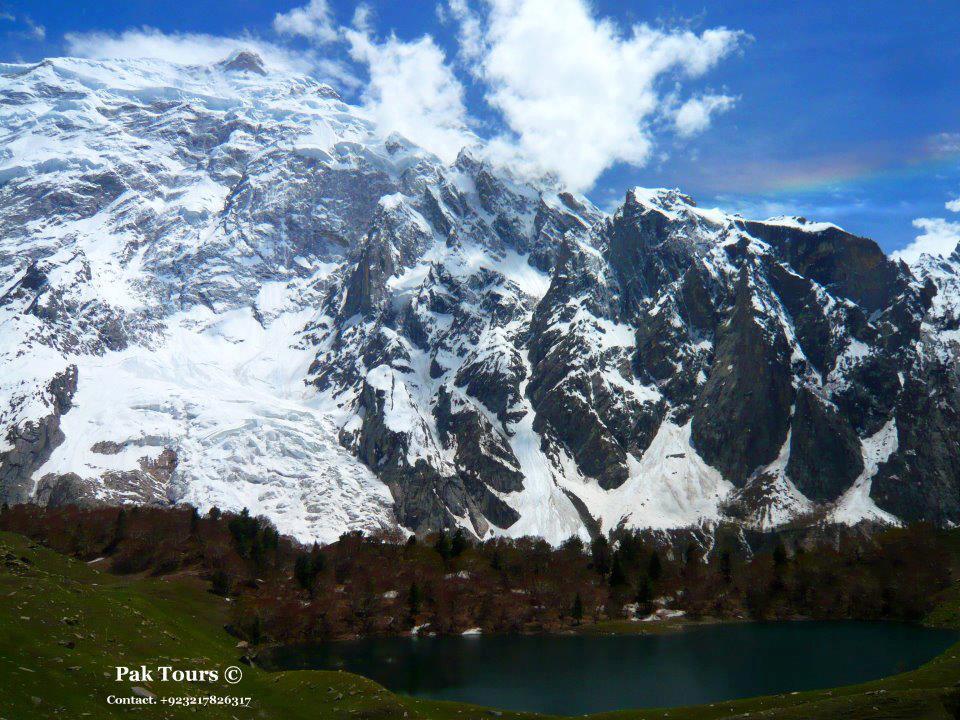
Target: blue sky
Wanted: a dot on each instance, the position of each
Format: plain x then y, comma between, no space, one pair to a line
842,111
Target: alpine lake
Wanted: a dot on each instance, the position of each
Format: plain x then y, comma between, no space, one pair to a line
578,674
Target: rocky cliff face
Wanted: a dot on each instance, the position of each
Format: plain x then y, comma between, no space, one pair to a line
220,285
30,443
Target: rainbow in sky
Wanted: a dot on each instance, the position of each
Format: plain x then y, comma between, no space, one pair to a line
931,156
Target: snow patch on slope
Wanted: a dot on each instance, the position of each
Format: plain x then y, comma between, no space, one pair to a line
669,487
856,505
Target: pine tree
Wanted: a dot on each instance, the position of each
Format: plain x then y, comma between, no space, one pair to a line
245,532
256,552
119,532
220,583
120,526
443,546
780,555
413,601
573,544
726,566
194,520
655,567
645,596
617,577
600,555
270,536
576,612
317,559
459,544
303,571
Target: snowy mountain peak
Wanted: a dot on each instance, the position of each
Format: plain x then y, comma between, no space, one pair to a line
677,207
801,223
243,61
661,197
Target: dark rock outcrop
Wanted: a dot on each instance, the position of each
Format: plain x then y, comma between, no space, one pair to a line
742,416
844,264
921,481
824,449
33,441
244,61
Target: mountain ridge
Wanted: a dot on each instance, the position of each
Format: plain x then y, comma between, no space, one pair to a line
222,285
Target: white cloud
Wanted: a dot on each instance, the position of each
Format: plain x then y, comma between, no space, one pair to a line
312,21
410,90
413,91
576,93
694,115
939,237
572,93
35,31
470,34
181,48
363,18
945,143
203,49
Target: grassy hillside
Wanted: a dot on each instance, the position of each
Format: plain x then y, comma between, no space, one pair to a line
64,626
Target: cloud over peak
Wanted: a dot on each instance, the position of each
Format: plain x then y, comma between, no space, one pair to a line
180,48
558,90
411,90
575,92
940,237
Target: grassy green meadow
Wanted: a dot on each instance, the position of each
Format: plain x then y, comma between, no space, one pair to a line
64,625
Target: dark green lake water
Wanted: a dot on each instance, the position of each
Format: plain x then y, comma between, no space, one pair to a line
572,675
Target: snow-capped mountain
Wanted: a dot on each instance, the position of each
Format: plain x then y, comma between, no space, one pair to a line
222,285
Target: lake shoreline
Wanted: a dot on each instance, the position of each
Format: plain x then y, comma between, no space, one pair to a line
696,664
260,654
609,628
